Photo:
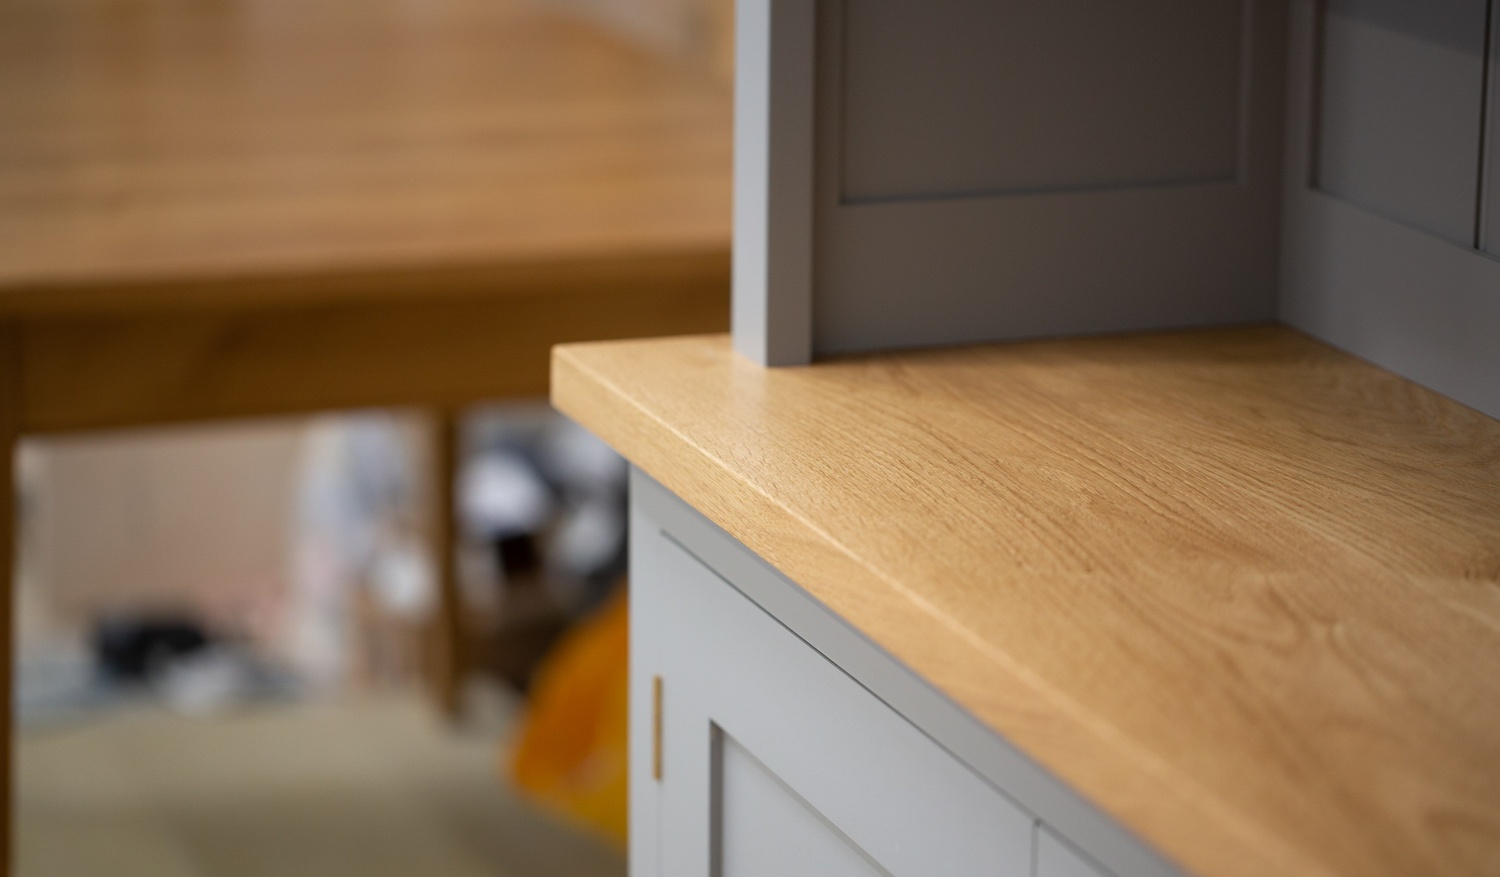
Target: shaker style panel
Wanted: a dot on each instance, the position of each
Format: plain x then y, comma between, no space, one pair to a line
955,99
988,171
946,172
773,758
765,828
1056,858
1400,105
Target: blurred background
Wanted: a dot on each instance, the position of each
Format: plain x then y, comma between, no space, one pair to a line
308,577
223,637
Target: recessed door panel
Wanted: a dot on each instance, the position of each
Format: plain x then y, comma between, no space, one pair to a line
1399,110
1005,170
952,98
1056,858
765,829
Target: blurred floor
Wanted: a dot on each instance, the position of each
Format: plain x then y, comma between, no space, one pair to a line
373,788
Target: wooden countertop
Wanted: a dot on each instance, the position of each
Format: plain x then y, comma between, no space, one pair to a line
223,152
1240,589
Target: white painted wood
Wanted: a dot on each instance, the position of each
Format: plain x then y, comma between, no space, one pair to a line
1056,858
766,829
1402,298
850,762
1075,232
773,181
644,792
948,727
1400,99
670,816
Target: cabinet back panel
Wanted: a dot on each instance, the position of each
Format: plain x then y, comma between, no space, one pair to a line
951,98
986,171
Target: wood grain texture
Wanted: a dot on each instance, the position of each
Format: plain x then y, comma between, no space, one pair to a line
1240,589
248,151
173,365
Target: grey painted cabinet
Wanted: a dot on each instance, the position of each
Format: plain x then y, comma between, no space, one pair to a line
769,740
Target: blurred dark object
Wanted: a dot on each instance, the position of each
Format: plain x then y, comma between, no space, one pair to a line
133,648
181,662
511,644
543,503
517,554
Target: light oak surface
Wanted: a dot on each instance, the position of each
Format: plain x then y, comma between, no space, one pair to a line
203,154
183,364
248,207
1238,588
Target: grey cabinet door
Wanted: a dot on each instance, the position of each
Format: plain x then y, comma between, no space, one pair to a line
773,761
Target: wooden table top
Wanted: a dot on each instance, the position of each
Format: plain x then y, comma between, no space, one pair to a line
1238,588
183,152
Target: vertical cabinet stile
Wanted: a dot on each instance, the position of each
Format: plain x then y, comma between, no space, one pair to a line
1489,194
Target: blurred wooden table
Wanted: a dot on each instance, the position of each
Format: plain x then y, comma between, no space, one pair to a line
230,208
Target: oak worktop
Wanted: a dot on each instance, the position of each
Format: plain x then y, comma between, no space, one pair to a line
250,152
1240,589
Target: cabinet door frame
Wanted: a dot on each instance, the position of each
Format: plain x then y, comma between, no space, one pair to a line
747,696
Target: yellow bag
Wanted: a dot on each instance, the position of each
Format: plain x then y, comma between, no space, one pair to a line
572,752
